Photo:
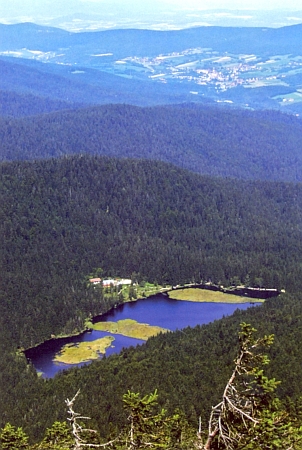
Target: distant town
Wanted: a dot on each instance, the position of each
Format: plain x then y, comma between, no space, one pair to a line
202,66
202,70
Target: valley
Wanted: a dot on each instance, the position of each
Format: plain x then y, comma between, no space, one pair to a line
153,222
245,67
136,165
100,336
130,324
203,70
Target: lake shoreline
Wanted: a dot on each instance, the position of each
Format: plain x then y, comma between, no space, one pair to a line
236,298
87,329
159,311
72,354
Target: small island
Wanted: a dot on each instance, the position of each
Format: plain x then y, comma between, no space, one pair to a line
84,351
130,328
206,295
88,351
126,291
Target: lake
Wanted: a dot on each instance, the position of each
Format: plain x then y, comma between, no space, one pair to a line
158,310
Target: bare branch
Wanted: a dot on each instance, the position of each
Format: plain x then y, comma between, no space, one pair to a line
238,399
77,429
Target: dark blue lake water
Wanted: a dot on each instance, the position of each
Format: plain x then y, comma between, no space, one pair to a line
158,310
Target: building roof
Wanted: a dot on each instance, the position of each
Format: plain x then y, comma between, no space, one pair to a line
95,280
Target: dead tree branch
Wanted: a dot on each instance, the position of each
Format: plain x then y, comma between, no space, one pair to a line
77,429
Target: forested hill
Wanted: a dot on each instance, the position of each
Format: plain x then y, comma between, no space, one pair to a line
124,42
189,368
13,104
213,141
56,84
61,218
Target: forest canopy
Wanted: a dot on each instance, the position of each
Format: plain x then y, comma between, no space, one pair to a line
259,145
63,217
60,218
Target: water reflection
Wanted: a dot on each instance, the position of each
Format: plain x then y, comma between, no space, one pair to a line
157,310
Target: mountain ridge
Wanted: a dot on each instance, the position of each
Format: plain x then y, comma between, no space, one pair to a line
206,140
90,87
237,38
99,187
250,67
64,217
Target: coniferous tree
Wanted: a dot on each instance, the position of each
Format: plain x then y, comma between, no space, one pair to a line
250,416
13,438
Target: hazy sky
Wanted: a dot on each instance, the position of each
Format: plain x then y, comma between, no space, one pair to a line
238,4
12,8
115,11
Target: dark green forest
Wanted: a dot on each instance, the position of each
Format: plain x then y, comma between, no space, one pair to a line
188,367
101,174
47,87
211,141
13,104
61,218
29,78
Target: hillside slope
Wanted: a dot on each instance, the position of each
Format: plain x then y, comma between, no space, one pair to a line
79,85
124,42
62,218
212,141
189,368
13,104
254,67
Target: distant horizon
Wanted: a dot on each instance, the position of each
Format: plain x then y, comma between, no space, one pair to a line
90,15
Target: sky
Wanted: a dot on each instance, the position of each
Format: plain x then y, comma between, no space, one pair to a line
44,7
12,11
239,4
